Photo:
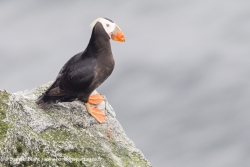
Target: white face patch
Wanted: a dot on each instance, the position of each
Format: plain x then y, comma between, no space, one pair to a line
107,25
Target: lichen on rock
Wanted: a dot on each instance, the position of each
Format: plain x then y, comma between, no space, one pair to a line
64,135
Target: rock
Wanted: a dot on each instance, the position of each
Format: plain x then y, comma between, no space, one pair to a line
64,135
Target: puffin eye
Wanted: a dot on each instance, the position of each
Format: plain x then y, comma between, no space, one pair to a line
107,25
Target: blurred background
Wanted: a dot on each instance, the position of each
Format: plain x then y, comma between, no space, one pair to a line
181,85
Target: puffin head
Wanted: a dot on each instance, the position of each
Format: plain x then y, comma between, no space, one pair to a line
111,29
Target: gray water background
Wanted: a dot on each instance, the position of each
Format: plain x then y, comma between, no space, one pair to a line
181,85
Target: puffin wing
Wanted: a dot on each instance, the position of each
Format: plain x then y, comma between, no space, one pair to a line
75,76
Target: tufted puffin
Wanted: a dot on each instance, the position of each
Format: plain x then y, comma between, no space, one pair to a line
85,71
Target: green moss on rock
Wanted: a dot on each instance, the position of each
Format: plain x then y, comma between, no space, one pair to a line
4,96
3,130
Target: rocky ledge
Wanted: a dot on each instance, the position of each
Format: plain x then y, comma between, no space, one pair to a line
64,135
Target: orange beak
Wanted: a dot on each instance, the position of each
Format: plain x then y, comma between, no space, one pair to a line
117,35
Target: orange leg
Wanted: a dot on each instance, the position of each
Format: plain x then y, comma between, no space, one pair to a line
94,111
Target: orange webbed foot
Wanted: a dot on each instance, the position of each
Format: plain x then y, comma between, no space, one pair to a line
96,113
95,99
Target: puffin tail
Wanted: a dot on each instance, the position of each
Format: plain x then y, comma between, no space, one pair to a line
45,101
54,95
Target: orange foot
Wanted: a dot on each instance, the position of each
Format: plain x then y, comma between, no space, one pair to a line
95,99
94,111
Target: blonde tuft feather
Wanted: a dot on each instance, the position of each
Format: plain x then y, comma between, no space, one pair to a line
94,22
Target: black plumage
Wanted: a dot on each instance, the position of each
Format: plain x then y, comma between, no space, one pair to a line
83,73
